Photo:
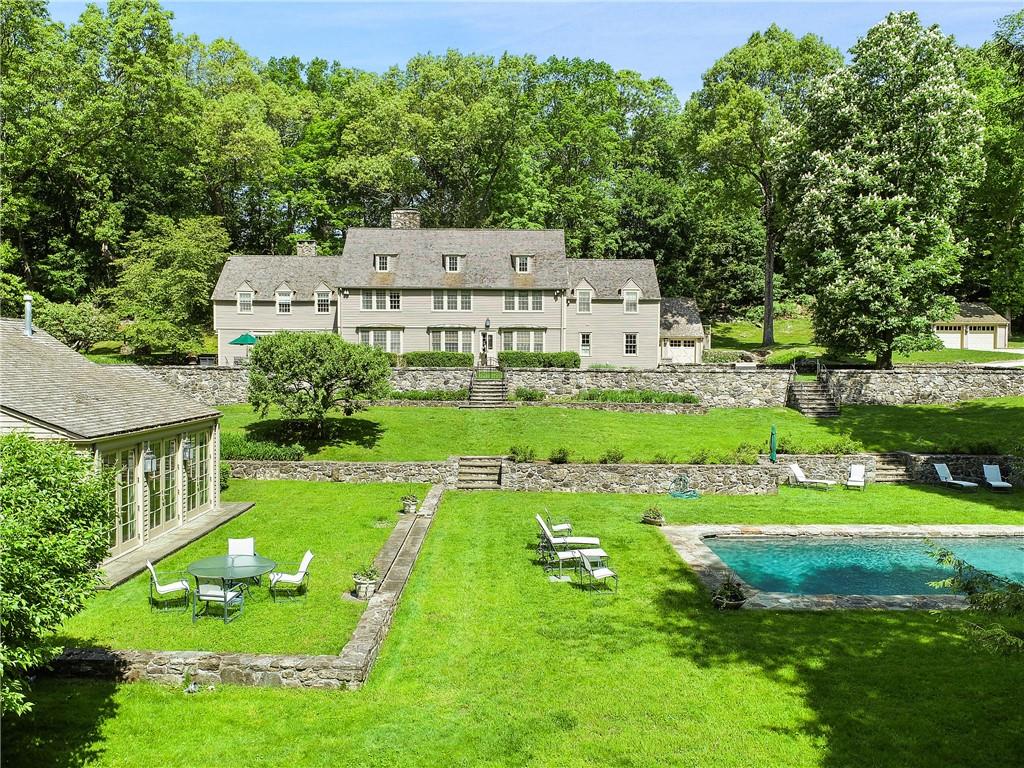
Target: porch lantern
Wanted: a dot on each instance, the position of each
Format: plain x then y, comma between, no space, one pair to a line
149,462
186,450
487,323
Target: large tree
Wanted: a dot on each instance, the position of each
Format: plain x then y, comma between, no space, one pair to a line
897,141
746,130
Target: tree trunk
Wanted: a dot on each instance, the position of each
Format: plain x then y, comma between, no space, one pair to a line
768,332
883,359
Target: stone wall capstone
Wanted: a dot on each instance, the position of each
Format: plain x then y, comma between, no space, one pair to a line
911,384
433,472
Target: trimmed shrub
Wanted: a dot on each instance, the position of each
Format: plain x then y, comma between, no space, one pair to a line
528,394
438,359
521,453
634,396
235,446
839,446
225,475
661,458
432,394
538,359
722,355
559,456
393,359
611,456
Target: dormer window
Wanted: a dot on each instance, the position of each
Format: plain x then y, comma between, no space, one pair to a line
583,296
521,263
244,302
380,262
631,302
284,301
451,263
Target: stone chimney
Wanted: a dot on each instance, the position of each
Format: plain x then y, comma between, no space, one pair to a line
405,219
305,248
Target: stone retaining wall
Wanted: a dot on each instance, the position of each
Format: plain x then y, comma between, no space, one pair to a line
406,379
827,466
433,472
911,384
921,467
667,408
210,386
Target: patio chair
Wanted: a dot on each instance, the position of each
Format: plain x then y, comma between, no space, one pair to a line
213,591
163,590
243,547
856,478
994,478
550,544
947,479
802,479
594,568
292,583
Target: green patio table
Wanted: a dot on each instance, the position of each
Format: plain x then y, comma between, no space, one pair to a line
229,570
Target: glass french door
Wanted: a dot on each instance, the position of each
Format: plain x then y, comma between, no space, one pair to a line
163,486
123,531
197,475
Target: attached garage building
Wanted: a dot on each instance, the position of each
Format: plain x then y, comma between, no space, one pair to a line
975,326
682,336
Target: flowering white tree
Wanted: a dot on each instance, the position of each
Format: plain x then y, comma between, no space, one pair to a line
897,142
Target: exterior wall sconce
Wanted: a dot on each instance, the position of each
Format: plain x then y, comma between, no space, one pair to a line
487,323
149,462
344,292
186,450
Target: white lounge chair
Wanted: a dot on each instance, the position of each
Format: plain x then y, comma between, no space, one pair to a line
214,592
802,479
163,590
293,583
550,544
994,478
856,478
594,568
947,479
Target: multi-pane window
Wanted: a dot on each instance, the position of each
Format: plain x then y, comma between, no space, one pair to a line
522,341
522,263
122,528
631,302
388,339
323,302
585,344
284,302
524,301
245,302
380,262
451,340
453,300
451,263
947,328
162,485
583,301
629,344
197,471
383,300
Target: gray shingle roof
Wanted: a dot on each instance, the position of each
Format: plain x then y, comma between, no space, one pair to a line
265,273
680,317
976,312
53,384
417,258
607,276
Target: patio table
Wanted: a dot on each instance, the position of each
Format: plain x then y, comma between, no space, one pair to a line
229,570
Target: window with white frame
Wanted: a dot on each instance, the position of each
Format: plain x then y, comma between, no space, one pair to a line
629,344
524,301
244,302
631,302
585,344
524,340
453,301
451,340
388,339
583,301
451,263
382,300
323,302
284,302
381,262
522,263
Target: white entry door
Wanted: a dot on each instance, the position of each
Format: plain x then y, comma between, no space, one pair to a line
981,337
679,351
488,355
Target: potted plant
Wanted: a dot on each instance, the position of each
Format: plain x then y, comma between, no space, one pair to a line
729,595
366,581
654,516
409,504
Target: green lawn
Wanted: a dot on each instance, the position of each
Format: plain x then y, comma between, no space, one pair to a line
109,352
344,526
421,434
489,664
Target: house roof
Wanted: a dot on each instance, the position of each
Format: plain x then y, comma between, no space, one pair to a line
54,385
680,317
608,276
265,274
976,312
417,258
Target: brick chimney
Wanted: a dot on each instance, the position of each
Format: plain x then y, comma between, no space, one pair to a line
405,219
305,248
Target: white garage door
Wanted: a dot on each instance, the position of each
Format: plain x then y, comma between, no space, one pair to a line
949,335
981,337
679,351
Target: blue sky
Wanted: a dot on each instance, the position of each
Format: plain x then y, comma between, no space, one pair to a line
677,41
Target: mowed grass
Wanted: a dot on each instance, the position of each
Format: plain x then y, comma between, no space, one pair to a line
344,526
490,664
422,434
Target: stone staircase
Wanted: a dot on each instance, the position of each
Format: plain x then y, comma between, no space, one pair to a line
891,468
479,473
813,399
487,391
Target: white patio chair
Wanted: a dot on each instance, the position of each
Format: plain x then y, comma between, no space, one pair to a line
856,478
550,544
163,590
292,583
802,479
242,548
594,568
947,479
210,591
994,478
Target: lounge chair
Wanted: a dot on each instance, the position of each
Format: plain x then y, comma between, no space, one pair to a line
212,591
560,529
994,478
551,544
594,568
802,479
292,583
164,590
856,478
947,479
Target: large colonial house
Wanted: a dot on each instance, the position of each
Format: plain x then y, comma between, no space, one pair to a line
162,446
975,326
482,291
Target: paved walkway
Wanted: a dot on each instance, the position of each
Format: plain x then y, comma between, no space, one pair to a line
1006,363
121,569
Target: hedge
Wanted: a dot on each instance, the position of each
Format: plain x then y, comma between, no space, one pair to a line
235,446
438,359
539,359
432,394
634,396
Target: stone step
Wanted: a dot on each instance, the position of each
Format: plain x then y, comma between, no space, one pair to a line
478,486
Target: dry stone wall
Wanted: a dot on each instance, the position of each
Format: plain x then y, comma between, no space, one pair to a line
211,386
827,466
912,384
433,472
964,467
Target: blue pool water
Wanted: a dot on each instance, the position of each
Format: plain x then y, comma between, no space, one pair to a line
829,565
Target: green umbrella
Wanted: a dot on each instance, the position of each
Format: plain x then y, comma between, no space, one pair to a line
246,339
773,443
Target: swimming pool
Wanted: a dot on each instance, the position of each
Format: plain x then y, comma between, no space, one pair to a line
845,565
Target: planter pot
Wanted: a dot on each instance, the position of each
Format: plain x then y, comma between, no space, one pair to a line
728,605
653,521
365,587
409,507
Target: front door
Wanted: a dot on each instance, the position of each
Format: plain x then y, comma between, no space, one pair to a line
487,353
